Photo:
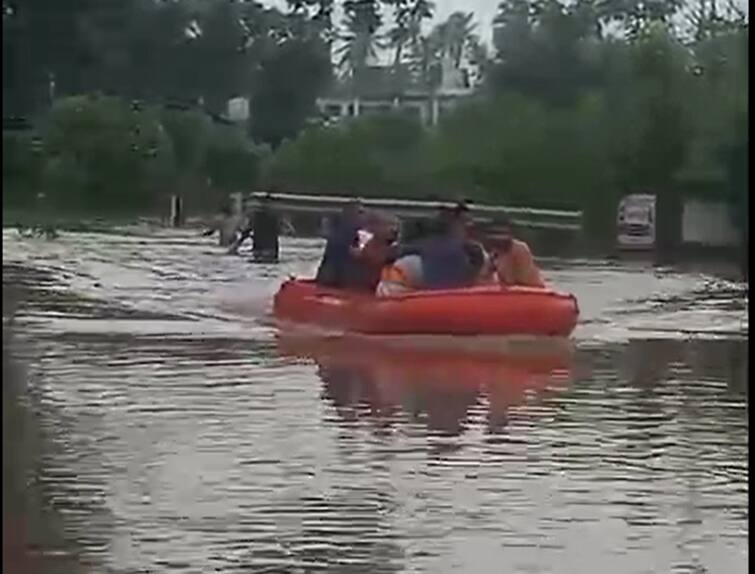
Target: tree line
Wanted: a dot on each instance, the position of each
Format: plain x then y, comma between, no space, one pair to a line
574,104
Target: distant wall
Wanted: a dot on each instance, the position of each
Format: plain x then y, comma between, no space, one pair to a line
709,224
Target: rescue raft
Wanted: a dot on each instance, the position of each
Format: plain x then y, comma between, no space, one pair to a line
483,310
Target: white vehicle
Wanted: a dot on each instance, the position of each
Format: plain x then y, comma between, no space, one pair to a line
636,222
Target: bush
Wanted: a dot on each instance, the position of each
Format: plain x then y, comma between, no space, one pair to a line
22,163
371,155
103,154
100,153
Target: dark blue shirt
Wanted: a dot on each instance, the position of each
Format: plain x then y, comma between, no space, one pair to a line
445,264
338,267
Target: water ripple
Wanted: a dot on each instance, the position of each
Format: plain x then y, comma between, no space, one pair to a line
186,434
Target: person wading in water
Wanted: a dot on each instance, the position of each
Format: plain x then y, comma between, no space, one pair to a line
227,225
264,227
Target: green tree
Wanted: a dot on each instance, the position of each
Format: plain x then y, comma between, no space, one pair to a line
362,20
286,88
42,41
22,164
544,49
189,132
231,163
369,155
404,37
634,16
659,75
407,25
218,55
103,154
456,35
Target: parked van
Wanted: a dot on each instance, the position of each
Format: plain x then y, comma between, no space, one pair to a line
636,222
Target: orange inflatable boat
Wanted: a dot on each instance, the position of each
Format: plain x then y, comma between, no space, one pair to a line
485,310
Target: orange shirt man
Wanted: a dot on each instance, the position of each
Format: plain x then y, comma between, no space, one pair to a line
513,260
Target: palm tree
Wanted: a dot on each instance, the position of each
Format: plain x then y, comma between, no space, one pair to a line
360,41
457,33
409,15
477,56
408,18
427,53
453,39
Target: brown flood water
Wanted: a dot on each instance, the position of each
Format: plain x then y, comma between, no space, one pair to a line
185,433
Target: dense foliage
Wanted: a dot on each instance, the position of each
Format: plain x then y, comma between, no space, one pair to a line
100,153
569,116
576,103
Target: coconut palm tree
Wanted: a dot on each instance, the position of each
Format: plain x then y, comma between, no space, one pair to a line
457,33
426,56
477,56
408,18
360,40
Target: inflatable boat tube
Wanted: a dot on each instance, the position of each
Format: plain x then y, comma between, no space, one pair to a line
485,310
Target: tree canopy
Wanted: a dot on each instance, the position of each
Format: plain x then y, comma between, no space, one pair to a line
575,103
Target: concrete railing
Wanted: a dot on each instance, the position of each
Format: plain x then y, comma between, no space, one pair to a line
326,204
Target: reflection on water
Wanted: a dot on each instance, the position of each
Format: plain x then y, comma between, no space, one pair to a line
187,434
439,385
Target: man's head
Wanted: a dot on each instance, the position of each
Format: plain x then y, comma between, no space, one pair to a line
502,237
461,209
413,230
459,220
354,211
381,224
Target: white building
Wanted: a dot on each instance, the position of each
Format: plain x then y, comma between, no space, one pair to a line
379,95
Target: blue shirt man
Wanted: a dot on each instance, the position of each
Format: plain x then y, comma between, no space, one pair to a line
340,266
445,264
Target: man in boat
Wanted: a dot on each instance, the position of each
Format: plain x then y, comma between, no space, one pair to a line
445,264
481,266
380,249
513,259
403,275
446,258
341,266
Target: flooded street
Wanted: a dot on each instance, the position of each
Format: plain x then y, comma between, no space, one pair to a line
186,433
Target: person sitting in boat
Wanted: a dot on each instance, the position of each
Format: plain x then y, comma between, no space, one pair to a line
380,249
341,266
413,230
513,259
404,272
481,266
401,276
437,260
445,262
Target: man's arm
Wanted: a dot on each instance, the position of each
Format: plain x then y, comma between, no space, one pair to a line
234,247
530,274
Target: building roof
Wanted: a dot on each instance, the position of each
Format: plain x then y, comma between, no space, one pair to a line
385,83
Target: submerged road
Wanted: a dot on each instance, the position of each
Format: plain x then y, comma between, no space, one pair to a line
184,434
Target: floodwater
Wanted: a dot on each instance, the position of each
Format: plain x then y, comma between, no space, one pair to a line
186,433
